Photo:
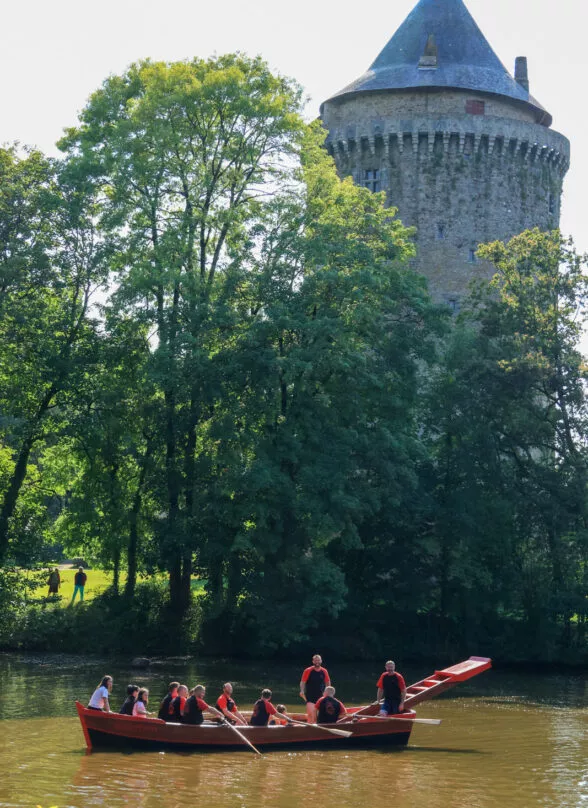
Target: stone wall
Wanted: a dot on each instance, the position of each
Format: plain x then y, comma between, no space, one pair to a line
460,179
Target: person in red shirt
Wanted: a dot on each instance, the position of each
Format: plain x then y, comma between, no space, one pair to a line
263,709
195,707
391,688
329,709
227,706
176,707
312,686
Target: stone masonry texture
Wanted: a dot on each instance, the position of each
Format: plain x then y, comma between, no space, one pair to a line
462,167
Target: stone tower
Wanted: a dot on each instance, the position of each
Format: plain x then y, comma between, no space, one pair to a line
460,146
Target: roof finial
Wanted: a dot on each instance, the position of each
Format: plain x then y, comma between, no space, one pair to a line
429,58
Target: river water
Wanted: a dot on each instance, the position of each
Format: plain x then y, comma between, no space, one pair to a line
508,740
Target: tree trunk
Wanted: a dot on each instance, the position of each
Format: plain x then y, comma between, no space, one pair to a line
133,545
11,495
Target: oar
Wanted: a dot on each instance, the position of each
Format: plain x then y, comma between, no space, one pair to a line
243,738
433,721
340,732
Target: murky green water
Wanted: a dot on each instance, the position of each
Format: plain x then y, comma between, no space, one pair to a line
513,741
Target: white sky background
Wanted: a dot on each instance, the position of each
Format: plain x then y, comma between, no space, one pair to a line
54,54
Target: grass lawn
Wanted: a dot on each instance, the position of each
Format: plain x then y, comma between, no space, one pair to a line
98,581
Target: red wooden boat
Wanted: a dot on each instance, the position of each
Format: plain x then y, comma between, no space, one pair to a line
114,730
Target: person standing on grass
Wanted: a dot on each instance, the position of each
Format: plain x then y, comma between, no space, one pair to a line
54,582
79,584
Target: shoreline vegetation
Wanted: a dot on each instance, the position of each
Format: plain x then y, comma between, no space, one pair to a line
222,382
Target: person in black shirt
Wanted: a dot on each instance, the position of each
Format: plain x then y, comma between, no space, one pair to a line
263,709
165,712
329,709
312,686
129,702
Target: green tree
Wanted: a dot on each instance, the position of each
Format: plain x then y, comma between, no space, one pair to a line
506,429
185,155
51,263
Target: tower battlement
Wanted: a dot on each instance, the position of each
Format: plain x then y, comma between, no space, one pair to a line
459,146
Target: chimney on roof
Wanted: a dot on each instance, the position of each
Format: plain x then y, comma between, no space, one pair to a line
521,74
428,60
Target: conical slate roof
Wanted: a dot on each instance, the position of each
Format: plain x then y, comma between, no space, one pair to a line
464,58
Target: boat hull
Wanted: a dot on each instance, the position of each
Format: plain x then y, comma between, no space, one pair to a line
115,731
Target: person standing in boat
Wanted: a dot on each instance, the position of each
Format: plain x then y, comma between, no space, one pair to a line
329,709
227,706
165,706
312,686
391,688
195,707
99,699
129,702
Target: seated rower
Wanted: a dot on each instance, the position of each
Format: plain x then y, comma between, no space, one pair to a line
99,699
129,702
177,704
263,709
329,709
227,706
140,708
195,706
164,707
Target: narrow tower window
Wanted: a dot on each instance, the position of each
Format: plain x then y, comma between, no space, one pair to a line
475,107
441,230
551,203
371,179
472,255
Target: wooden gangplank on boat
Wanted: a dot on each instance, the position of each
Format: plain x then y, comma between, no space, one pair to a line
438,683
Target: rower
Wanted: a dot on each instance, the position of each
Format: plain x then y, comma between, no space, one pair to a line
227,706
195,707
176,706
329,709
263,709
164,707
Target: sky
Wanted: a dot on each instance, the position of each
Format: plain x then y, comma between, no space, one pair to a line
54,54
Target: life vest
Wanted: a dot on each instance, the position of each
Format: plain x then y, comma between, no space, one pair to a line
329,710
260,715
164,708
391,687
315,684
175,709
230,703
192,713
